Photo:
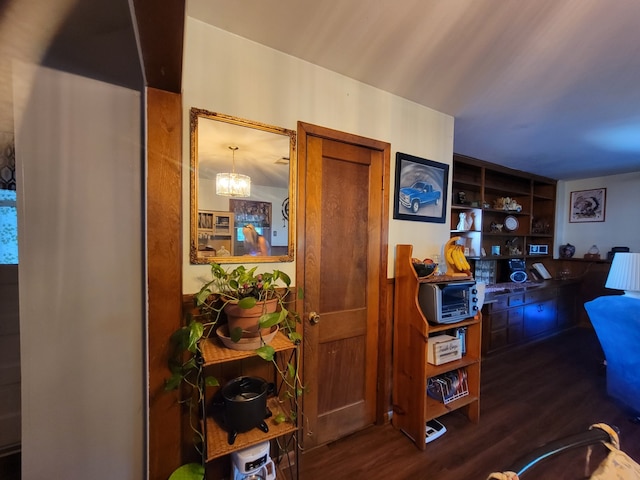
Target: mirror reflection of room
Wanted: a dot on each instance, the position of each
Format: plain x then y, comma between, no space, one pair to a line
253,227
241,189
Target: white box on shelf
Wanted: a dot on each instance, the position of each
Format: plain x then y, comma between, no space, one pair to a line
443,348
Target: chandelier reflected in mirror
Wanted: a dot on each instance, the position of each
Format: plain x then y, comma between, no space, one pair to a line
233,184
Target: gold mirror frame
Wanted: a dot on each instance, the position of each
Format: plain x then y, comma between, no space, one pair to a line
205,222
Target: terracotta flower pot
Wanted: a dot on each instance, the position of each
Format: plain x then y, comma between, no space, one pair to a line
248,318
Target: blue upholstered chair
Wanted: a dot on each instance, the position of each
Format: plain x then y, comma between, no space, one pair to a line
616,320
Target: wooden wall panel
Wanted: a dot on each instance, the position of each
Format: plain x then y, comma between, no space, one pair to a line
164,260
9,361
161,34
385,349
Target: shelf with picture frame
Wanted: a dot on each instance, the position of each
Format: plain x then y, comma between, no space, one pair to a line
480,189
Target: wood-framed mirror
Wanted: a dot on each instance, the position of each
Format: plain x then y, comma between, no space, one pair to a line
227,226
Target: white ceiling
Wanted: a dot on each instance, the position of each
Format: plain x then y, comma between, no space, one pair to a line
261,154
546,86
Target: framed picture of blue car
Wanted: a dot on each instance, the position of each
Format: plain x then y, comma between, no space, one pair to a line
421,189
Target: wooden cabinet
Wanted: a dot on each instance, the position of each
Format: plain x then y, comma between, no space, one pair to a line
216,356
412,407
567,303
540,313
518,317
503,321
478,188
593,275
521,230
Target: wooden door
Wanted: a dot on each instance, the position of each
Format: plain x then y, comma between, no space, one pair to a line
342,266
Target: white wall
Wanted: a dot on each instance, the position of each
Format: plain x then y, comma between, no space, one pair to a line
227,74
81,277
621,227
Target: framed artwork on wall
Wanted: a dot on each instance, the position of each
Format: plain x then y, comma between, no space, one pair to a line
421,189
587,205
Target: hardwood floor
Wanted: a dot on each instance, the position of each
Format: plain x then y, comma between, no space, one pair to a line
529,397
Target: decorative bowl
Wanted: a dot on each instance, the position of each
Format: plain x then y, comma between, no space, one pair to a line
424,269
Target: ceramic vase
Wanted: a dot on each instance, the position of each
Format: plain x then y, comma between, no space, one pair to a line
567,251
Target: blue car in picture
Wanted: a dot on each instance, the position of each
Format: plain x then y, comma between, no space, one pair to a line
418,194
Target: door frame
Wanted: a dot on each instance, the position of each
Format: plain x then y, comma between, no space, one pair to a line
383,384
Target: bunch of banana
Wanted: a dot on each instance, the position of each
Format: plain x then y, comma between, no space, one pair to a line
454,257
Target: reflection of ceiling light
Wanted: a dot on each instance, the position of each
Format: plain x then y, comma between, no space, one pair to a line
233,184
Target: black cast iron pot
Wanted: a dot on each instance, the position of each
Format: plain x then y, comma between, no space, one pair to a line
245,405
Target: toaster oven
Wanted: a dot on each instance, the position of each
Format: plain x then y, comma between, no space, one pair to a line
448,302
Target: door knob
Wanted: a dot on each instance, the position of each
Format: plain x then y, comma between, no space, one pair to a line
314,318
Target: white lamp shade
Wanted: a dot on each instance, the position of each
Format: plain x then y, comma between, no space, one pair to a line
625,273
233,185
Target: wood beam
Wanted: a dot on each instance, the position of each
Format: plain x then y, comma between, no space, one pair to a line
161,34
164,261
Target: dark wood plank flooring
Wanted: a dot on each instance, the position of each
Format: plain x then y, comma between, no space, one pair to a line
529,397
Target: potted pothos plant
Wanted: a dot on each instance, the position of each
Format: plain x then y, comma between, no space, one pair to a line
237,290
242,291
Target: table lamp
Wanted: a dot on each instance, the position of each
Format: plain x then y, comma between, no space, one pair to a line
625,274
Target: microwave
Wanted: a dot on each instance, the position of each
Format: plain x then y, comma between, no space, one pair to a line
448,302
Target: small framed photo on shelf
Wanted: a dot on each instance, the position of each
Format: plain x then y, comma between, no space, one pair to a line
587,205
421,189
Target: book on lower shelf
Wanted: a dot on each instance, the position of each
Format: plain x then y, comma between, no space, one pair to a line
449,386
